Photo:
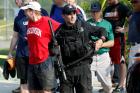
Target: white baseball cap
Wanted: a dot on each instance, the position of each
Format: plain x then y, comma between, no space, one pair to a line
32,5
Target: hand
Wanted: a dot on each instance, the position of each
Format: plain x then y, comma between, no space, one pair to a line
119,29
98,44
25,38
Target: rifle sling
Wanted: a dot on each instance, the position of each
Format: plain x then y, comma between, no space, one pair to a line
80,59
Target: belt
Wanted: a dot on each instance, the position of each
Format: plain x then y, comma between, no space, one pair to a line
134,43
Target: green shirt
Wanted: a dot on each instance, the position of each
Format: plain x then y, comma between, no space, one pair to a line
105,24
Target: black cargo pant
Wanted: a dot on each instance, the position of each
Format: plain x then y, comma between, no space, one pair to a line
79,79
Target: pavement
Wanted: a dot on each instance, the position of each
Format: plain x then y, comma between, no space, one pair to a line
6,86
4,44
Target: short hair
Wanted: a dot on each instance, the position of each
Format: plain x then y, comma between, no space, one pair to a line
27,1
133,78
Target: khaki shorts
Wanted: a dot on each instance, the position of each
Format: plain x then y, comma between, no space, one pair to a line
101,67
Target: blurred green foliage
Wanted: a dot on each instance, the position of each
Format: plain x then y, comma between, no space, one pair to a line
85,4
46,4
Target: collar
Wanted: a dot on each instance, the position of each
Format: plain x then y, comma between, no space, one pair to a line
100,20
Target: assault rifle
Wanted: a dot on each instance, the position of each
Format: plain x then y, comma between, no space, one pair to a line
56,51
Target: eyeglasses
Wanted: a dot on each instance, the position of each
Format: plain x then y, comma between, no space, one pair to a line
70,12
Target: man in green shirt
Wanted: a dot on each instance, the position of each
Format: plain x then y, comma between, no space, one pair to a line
101,61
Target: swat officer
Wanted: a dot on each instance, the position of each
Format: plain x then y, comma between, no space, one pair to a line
73,38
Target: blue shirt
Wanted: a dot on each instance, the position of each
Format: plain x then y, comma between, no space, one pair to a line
22,47
44,12
56,13
20,26
134,28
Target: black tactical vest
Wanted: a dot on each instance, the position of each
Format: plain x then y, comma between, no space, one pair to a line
73,42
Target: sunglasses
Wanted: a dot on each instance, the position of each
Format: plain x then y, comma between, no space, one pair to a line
70,12
134,1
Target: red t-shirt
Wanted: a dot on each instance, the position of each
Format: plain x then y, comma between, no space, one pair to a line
39,36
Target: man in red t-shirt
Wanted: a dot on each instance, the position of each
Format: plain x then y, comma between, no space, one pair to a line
41,69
